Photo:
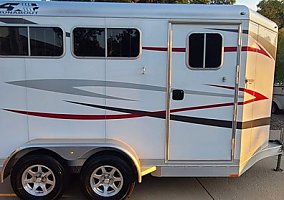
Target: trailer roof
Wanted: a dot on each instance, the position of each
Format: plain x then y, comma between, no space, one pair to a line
131,10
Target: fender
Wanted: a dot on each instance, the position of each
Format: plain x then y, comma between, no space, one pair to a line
71,150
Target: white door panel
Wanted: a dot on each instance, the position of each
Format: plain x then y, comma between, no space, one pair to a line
201,123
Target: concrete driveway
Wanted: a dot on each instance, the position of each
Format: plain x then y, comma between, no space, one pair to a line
260,182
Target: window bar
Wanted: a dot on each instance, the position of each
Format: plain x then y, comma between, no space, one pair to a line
204,51
29,41
106,43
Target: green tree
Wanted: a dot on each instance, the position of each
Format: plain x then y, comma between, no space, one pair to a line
212,1
165,1
279,71
274,10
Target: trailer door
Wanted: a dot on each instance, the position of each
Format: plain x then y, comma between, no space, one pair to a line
202,91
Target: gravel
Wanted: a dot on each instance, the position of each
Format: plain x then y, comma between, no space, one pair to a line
277,121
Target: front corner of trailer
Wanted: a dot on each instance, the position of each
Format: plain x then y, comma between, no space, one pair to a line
260,50
274,148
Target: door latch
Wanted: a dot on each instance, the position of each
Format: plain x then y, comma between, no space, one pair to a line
178,95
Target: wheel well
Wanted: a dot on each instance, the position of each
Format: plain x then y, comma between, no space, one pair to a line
48,153
118,153
22,155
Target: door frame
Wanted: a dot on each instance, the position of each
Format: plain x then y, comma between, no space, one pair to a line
169,81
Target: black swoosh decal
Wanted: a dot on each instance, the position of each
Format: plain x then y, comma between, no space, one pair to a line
187,119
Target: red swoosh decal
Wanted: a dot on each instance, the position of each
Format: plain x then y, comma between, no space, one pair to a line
74,116
258,97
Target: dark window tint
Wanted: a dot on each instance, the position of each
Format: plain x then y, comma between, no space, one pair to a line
46,41
196,50
14,41
212,54
213,50
89,42
123,42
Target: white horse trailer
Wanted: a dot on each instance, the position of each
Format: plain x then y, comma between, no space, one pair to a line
117,91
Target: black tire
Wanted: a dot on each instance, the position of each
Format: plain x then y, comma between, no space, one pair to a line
274,108
108,162
32,164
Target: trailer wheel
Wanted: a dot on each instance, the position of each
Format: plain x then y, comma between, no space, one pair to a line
107,178
38,177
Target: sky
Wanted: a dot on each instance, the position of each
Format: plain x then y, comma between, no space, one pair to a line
250,3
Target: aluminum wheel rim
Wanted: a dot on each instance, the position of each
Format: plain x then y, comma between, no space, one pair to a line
106,181
38,180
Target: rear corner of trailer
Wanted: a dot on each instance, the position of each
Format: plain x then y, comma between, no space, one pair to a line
259,51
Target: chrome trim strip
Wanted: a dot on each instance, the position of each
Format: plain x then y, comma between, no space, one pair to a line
29,42
161,163
237,82
168,94
207,22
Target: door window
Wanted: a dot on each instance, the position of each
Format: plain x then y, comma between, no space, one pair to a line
205,50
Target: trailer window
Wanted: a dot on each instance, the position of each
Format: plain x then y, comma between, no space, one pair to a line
46,41
123,42
89,42
13,41
205,50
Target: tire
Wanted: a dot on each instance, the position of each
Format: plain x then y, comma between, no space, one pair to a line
274,108
38,177
98,175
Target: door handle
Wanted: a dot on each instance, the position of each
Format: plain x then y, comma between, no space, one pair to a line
178,95
249,81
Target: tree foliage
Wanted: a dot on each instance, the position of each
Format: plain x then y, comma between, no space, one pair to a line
279,73
166,1
274,10
212,1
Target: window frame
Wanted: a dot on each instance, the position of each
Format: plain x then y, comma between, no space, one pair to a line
106,57
29,45
204,51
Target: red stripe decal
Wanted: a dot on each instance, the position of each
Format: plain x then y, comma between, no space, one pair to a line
230,49
259,50
163,49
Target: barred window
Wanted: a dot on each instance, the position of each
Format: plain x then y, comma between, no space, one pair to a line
205,50
13,41
31,41
123,42
46,41
109,42
89,42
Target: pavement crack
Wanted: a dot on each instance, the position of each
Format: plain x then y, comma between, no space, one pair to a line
205,189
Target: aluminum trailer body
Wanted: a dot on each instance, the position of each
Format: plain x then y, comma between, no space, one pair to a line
172,90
